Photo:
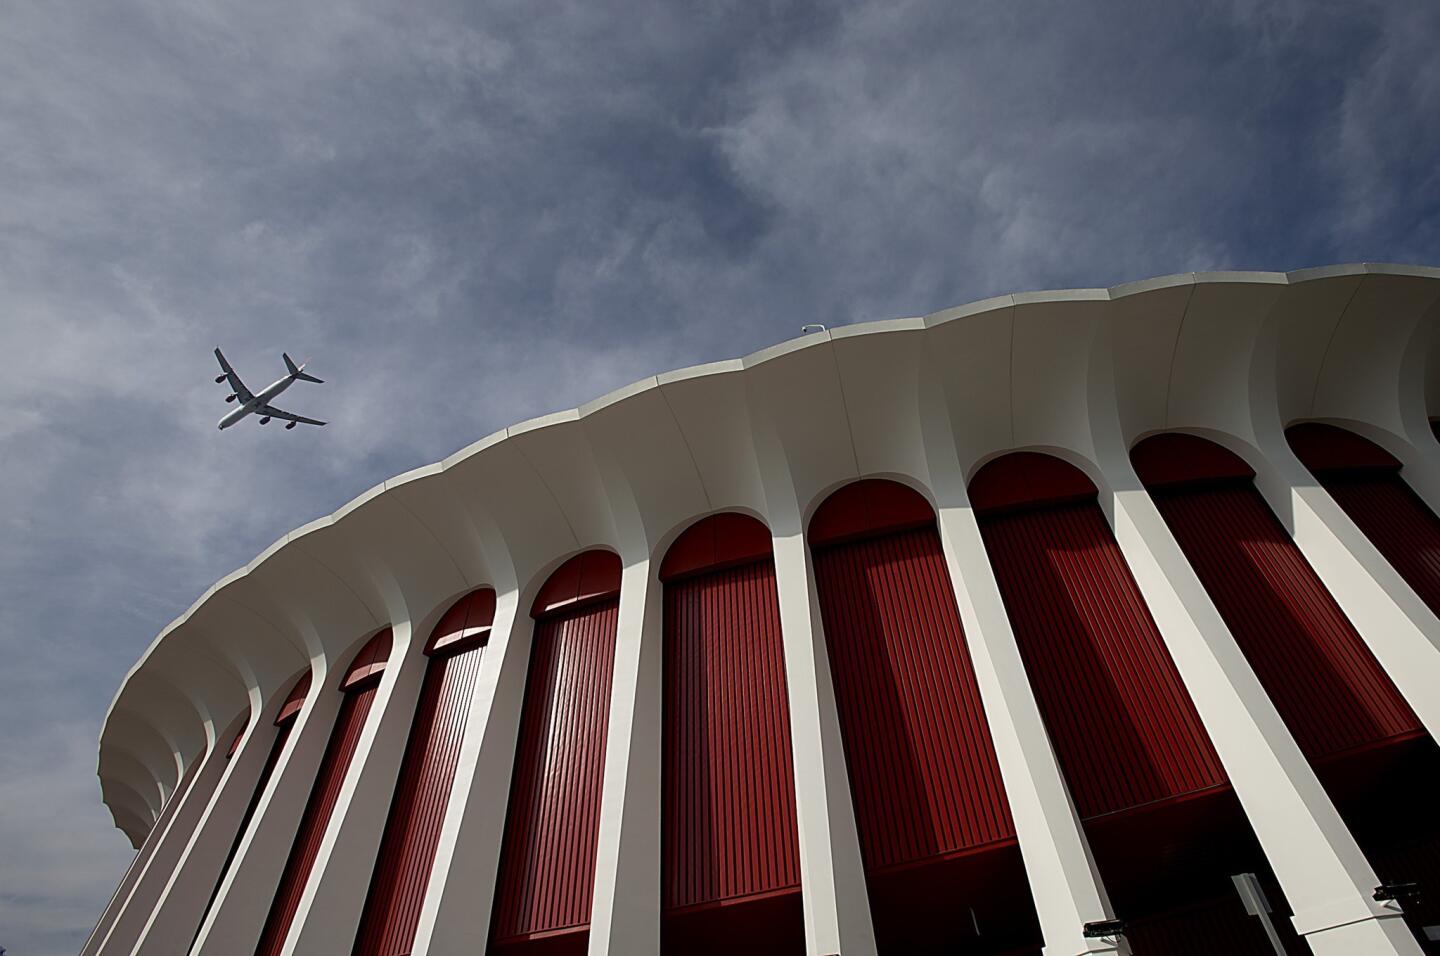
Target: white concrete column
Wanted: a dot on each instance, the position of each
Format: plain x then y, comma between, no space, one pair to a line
1402,633
455,917
625,911
182,904
334,896
832,873
1063,878
176,826
1324,875
243,900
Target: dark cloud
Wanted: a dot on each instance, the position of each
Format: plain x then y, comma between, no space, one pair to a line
471,214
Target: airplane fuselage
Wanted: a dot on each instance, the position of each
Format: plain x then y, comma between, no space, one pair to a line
261,398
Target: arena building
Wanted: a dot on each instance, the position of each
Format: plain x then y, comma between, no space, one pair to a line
1068,622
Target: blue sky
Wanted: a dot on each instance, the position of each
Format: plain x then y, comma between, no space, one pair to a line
468,214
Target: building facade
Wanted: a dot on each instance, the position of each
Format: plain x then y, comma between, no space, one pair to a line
970,633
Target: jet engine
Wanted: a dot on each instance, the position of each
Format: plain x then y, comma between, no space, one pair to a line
265,420
290,426
219,379
229,398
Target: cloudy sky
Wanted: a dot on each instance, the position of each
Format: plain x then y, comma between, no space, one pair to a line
471,213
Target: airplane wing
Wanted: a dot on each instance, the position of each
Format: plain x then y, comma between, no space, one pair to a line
236,386
274,412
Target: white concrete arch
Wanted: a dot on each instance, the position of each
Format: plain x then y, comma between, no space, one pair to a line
310,603
130,823
213,689
1080,374
1222,385
169,712
711,411
505,496
1363,373
126,804
258,653
405,578
649,478
149,764
667,540
472,543
800,427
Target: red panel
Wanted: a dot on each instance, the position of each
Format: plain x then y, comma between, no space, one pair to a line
369,663
1026,479
934,823
729,789
412,831
547,862
273,758
1325,448
867,507
1163,461
1124,728
467,623
1328,687
294,701
235,744
326,791
589,577
922,766
1398,523
719,541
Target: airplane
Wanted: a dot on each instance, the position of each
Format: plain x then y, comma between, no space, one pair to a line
259,403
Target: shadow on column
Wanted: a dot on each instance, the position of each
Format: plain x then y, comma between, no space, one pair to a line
1163,824
730,851
943,869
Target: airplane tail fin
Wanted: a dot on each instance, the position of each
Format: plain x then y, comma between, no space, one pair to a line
299,370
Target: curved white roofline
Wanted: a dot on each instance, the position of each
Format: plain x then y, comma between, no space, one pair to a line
766,432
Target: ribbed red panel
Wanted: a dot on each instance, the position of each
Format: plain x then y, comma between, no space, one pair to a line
1174,459
1326,684
369,661
729,787
1027,479
1326,448
587,578
467,622
412,831
282,734
867,507
722,540
547,863
338,754
922,765
295,701
1124,728
1397,522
